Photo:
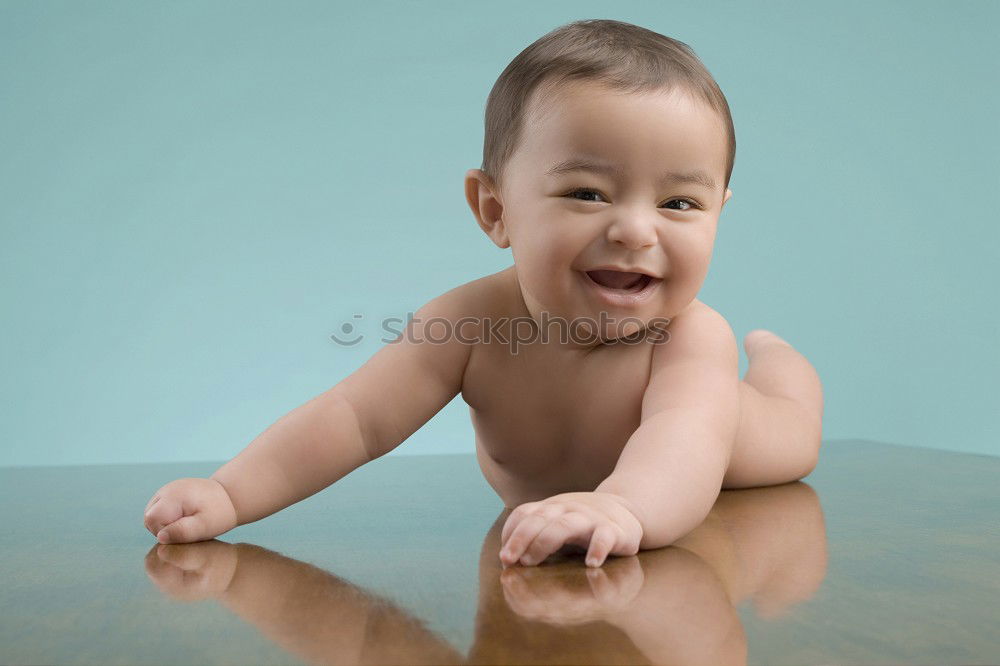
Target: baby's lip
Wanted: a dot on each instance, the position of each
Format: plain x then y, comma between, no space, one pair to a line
620,269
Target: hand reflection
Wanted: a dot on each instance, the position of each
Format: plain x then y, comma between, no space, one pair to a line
765,546
309,612
191,572
582,596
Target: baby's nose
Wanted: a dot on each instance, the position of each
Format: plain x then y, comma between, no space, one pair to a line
633,232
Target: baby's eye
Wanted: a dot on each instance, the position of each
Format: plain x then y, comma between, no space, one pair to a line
690,204
584,190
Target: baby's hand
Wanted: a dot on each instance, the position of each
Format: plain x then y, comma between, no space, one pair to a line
596,521
189,510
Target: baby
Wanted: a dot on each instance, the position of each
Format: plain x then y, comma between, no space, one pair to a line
605,397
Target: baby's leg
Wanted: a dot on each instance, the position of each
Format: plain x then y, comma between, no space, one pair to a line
781,415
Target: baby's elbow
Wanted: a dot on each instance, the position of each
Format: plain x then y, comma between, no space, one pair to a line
810,452
809,464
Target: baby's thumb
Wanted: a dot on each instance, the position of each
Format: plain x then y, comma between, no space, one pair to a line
184,530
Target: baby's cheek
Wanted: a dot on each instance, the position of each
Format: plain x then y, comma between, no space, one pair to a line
545,282
679,290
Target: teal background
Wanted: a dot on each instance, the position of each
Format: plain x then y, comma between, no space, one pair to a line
195,195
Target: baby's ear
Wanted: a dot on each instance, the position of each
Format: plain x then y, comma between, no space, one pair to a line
484,200
726,196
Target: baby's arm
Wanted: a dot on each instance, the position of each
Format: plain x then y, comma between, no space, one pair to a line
363,417
671,469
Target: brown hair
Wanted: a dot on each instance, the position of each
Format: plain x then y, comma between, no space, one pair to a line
622,56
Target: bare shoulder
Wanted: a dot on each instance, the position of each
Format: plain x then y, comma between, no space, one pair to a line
697,332
477,298
695,365
415,375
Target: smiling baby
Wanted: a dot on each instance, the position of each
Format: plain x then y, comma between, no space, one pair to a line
605,397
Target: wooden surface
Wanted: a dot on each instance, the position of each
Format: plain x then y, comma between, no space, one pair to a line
886,555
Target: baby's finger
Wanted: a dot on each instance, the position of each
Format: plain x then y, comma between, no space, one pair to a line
570,526
521,537
162,514
150,503
546,511
601,542
186,530
514,519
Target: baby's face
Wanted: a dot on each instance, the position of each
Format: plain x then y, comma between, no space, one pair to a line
564,222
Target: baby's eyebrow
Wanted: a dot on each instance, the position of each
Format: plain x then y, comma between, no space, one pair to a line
695,177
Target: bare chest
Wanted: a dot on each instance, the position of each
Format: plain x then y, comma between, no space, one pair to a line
547,424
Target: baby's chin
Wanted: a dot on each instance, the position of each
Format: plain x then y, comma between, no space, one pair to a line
624,329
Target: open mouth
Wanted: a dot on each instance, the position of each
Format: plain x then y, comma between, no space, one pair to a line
628,283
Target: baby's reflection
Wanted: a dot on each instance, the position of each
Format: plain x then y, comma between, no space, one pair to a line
672,605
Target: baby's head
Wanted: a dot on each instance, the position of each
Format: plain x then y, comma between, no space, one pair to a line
607,146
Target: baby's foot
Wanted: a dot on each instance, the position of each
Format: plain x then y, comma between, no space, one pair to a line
759,338
777,369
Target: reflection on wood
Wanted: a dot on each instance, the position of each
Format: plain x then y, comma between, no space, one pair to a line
671,605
